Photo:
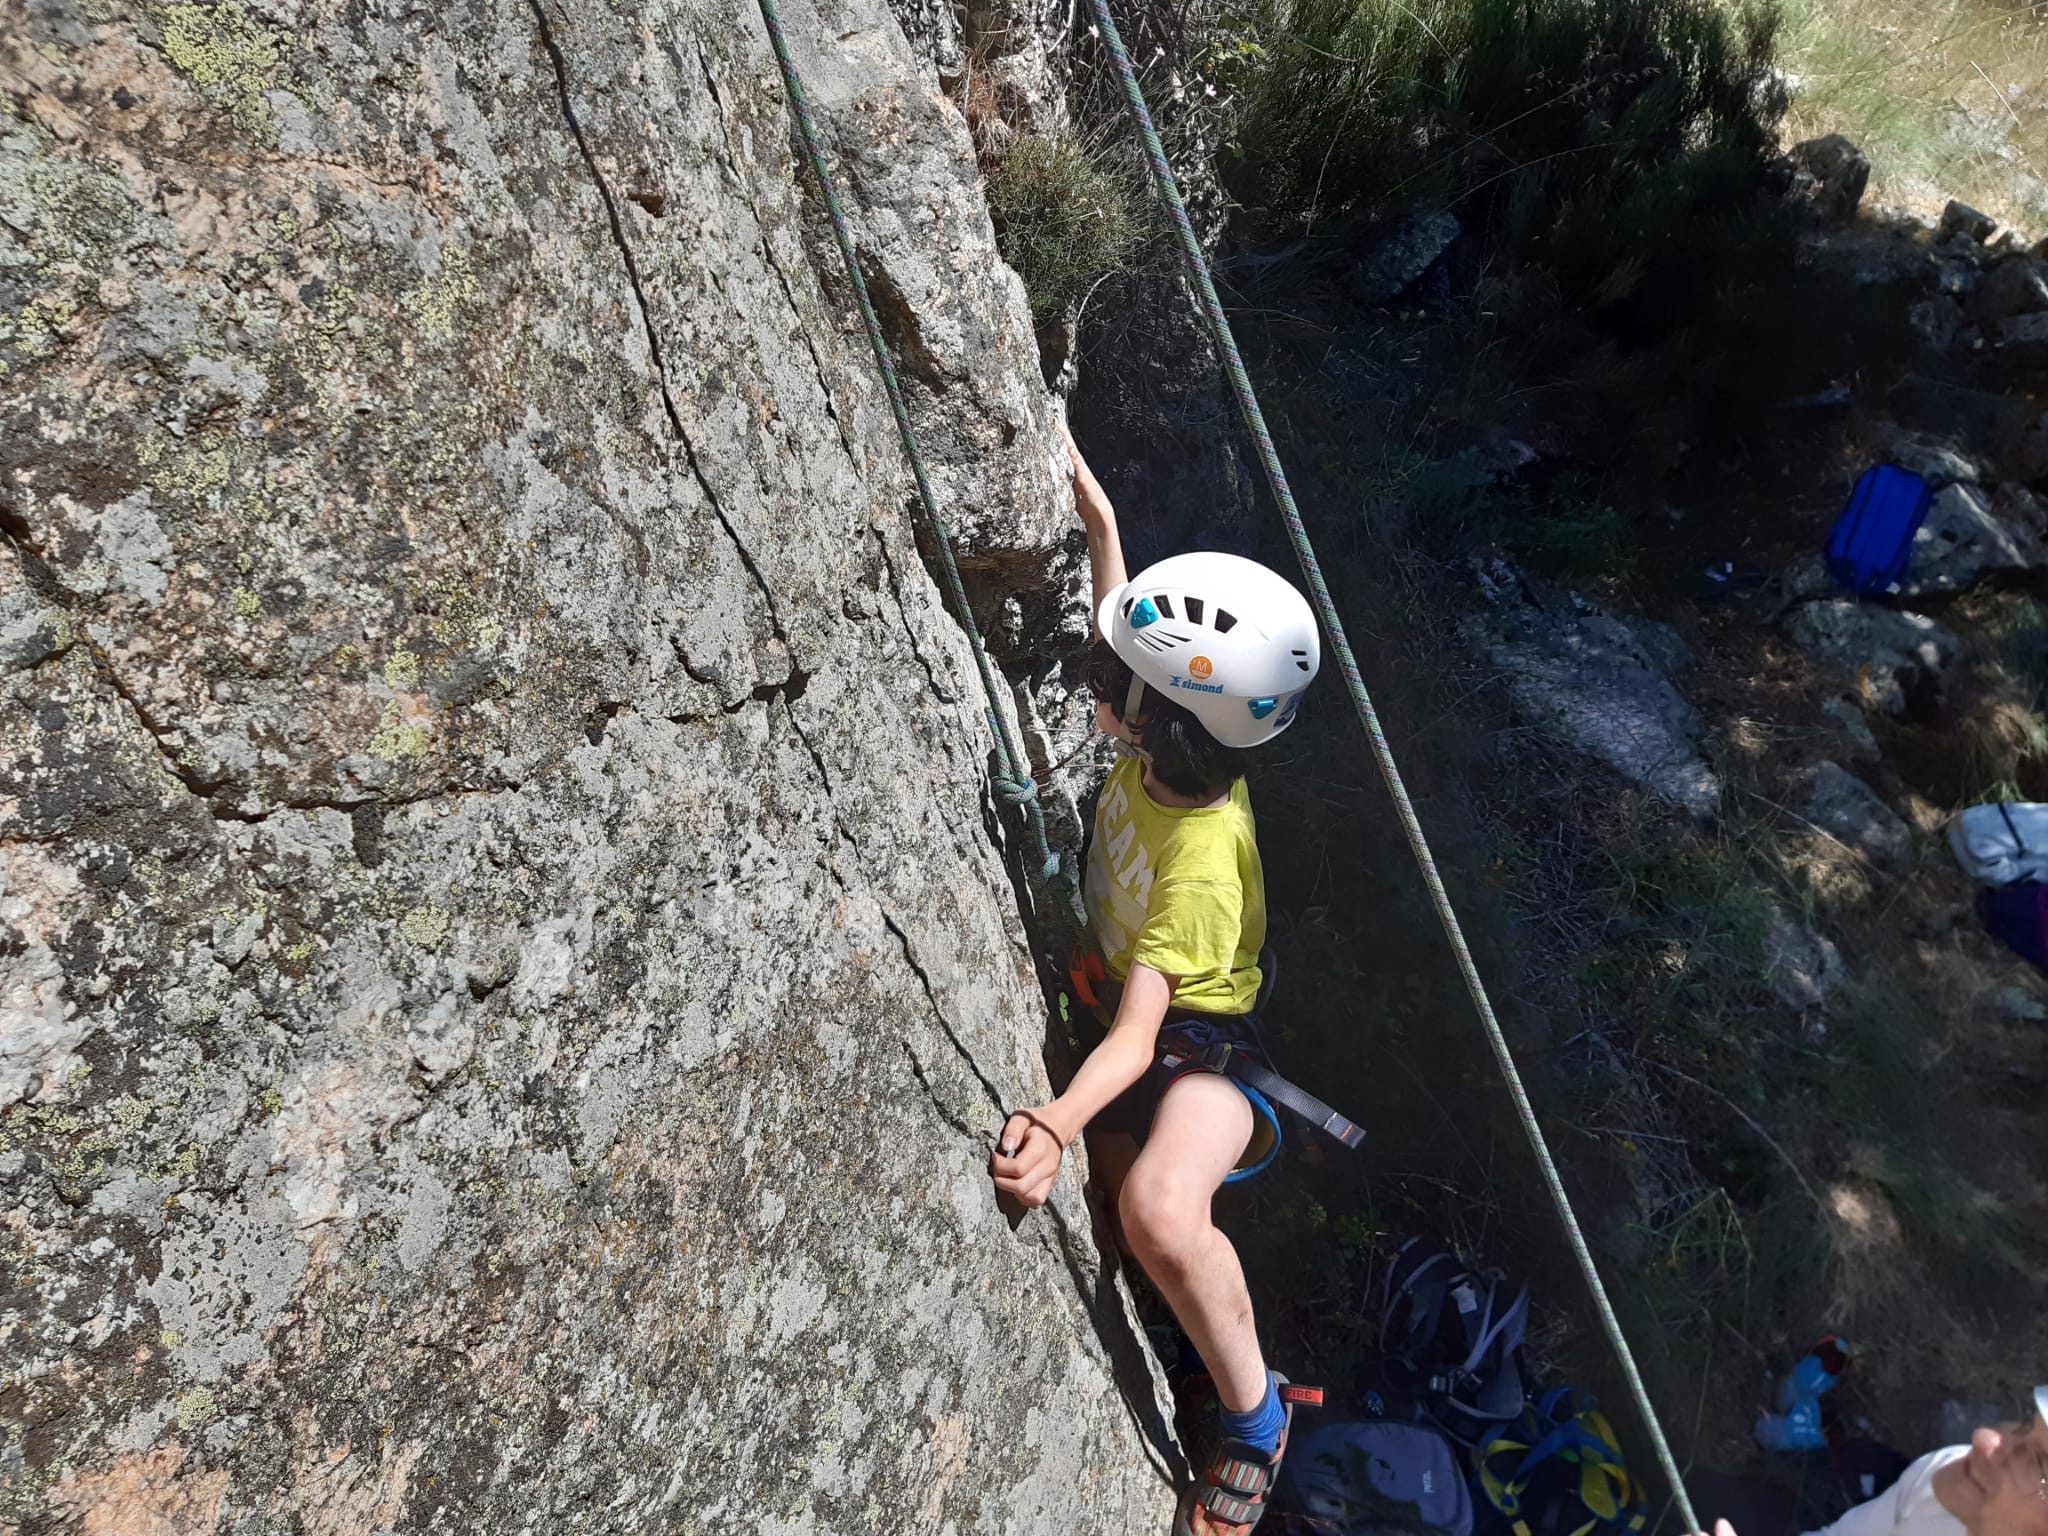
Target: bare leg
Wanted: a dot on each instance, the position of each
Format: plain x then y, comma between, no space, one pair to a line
1201,1129
1110,1156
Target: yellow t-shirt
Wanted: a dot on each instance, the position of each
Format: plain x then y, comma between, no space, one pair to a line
1179,890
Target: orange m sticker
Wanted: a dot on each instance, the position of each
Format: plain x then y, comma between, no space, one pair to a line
1200,667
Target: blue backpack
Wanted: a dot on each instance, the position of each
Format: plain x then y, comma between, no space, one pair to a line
1873,538
2018,914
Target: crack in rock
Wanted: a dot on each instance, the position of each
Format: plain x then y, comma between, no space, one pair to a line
632,268
775,266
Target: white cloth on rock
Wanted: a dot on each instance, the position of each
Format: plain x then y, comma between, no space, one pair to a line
2003,842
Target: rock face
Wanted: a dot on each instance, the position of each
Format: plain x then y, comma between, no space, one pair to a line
505,986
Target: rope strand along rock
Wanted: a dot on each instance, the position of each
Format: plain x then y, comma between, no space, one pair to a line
1340,646
1014,768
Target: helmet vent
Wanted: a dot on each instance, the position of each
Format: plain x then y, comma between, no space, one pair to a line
1194,608
1225,621
1159,642
1164,604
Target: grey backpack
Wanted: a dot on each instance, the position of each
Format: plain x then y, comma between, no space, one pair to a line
1373,1477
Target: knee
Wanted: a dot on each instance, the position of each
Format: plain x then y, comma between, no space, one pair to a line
1162,1219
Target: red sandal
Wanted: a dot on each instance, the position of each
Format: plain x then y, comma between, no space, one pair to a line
1230,1497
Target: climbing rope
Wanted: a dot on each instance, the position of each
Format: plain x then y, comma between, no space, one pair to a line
1311,568
1013,783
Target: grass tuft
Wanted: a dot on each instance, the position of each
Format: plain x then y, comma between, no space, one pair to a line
1063,221
1948,99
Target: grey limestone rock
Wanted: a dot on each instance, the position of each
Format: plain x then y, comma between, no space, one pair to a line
1960,219
1801,967
1963,540
1937,321
1936,460
1599,683
1833,173
2019,1004
1849,810
2016,286
1893,657
2025,335
1402,258
506,989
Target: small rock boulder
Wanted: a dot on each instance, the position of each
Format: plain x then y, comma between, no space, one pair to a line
2025,334
1801,967
1854,728
1963,540
1937,461
1898,658
1850,811
2013,287
1597,682
1959,218
1832,174
1400,260
1938,322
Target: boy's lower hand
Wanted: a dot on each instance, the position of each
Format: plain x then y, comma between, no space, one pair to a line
1027,1157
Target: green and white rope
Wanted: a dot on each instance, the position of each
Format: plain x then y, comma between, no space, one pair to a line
1013,782
1340,646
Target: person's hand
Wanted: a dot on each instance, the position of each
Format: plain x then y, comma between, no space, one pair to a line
1027,1158
1721,1528
1090,500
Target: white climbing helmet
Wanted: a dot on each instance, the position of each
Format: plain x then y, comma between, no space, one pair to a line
1232,642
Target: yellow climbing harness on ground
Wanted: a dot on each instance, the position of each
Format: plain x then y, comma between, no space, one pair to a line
1566,1446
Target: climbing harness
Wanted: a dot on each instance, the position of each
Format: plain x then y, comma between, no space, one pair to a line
1188,1042
1560,1471
1014,783
1340,646
1258,1081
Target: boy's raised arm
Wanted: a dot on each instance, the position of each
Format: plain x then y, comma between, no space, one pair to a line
1105,548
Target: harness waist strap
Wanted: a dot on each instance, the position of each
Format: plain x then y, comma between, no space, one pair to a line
1231,1062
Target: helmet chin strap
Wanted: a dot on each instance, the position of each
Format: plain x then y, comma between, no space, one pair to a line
1133,696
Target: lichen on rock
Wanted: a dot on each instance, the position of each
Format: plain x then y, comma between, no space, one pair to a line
508,984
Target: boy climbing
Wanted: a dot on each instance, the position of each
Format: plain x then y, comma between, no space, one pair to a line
1200,658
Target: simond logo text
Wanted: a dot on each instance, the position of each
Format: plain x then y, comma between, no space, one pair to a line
1195,687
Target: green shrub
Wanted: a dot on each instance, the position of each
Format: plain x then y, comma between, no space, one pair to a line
1062,220
1379,101
1602,137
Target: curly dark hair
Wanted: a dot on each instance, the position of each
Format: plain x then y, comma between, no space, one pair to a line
1185,757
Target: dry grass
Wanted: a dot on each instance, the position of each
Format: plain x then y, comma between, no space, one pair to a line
1948,98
